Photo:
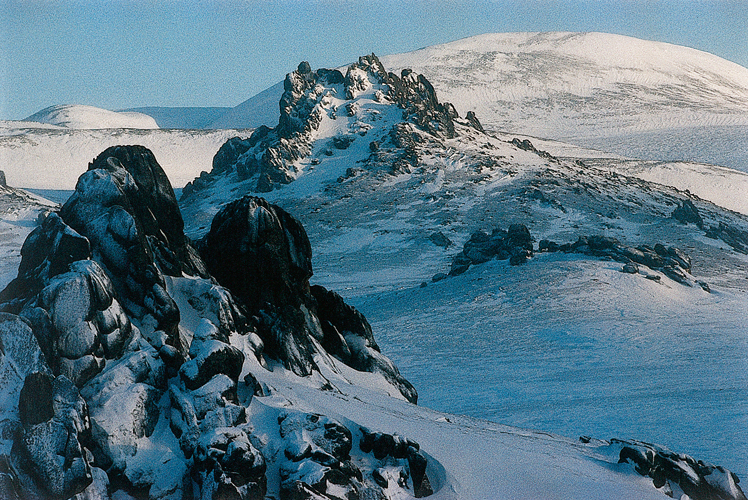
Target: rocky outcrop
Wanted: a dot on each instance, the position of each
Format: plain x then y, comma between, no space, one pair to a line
733,236
267,159
670,261
514,244
248,237
687,213
118,343
678,475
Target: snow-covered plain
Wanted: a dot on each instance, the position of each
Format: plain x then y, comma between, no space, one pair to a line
53,158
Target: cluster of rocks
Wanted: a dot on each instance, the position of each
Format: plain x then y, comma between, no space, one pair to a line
514,244
687,213
670,261
268,155
94,346
677,474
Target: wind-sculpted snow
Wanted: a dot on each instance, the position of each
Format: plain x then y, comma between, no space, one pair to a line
387,214
128,370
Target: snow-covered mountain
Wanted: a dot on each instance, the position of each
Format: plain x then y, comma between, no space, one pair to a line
526,281
390,184
639,98
79,116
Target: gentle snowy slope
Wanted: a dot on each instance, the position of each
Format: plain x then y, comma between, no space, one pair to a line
574,85
78,116
53,159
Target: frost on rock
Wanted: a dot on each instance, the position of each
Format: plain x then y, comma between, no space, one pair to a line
121,356
268,158
296,322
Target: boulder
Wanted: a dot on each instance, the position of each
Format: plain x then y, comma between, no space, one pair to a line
687,213
55,423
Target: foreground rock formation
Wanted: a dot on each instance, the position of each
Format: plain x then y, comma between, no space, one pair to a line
130,355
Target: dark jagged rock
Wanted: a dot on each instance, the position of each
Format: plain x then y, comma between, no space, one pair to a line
227,465
348,337
671,261
696,479
733,236
404,451
526,145
249,236
266,160
55,426
474,122
514,244
687,213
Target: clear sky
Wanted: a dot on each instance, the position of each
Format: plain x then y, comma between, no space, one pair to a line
124,53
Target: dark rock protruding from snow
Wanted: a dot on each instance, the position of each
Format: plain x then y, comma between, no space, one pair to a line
348,337
687,213
404,451
671,261
266,160
733,236
514,244
680,473
248,237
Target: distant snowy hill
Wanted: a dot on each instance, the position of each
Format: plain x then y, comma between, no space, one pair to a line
78,116
576,85
639,98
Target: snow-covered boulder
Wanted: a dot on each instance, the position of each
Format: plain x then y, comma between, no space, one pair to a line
296,322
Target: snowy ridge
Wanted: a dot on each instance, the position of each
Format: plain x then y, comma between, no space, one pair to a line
374,215
78,116
572,85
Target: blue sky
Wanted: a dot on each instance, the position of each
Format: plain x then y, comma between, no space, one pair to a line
124,53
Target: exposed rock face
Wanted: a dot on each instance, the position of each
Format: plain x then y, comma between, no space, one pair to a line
267,158
680,474
119,343
250,236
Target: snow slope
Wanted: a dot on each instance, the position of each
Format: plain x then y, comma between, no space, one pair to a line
78,116
53,159
182,117
574,85
565,343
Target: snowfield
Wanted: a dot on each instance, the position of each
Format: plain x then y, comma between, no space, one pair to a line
53,158
568,343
